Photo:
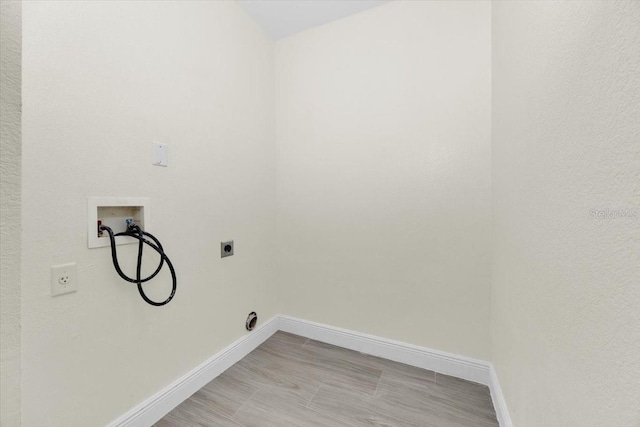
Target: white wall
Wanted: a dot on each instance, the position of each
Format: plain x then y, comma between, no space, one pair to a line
384,173
10,184
383,193
566,293
102,80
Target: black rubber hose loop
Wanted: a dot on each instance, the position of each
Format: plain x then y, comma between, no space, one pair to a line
137,233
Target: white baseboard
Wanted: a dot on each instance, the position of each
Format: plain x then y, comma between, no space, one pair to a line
499,404
463,367
160,404
421,357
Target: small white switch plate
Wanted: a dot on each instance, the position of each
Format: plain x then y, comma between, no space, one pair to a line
63,279
160,154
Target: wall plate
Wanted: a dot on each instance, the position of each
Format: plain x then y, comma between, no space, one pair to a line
226,249
160,154
64,279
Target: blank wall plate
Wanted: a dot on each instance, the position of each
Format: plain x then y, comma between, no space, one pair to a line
64,279
160,154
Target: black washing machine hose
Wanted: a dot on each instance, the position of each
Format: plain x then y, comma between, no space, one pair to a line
137,233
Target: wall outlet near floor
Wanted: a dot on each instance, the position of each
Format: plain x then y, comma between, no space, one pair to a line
63,279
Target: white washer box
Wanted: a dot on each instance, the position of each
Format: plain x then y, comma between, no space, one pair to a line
113,211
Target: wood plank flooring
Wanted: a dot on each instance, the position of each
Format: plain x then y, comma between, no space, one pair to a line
290,381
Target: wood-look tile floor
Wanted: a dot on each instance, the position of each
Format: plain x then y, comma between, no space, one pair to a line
291,381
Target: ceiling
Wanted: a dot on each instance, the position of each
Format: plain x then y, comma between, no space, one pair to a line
282,18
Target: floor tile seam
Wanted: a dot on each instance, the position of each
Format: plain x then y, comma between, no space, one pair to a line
235,421
404,420
471,384
454,414
199,419
243,405
328,414
469,397
288,375
210,408
375,393
314,395
452,403
466,408
386,417
317,411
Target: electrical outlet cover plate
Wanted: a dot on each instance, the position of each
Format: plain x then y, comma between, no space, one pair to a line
226,249
64,279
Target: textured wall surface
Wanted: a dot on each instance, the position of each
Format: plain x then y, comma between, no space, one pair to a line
566,168
10,180
385,164
384,173
101,81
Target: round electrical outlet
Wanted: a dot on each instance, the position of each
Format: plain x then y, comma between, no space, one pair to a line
226,249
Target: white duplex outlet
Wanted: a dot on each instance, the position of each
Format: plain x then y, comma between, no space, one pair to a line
63,279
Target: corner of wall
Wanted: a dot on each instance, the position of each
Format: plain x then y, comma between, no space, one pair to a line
10,212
